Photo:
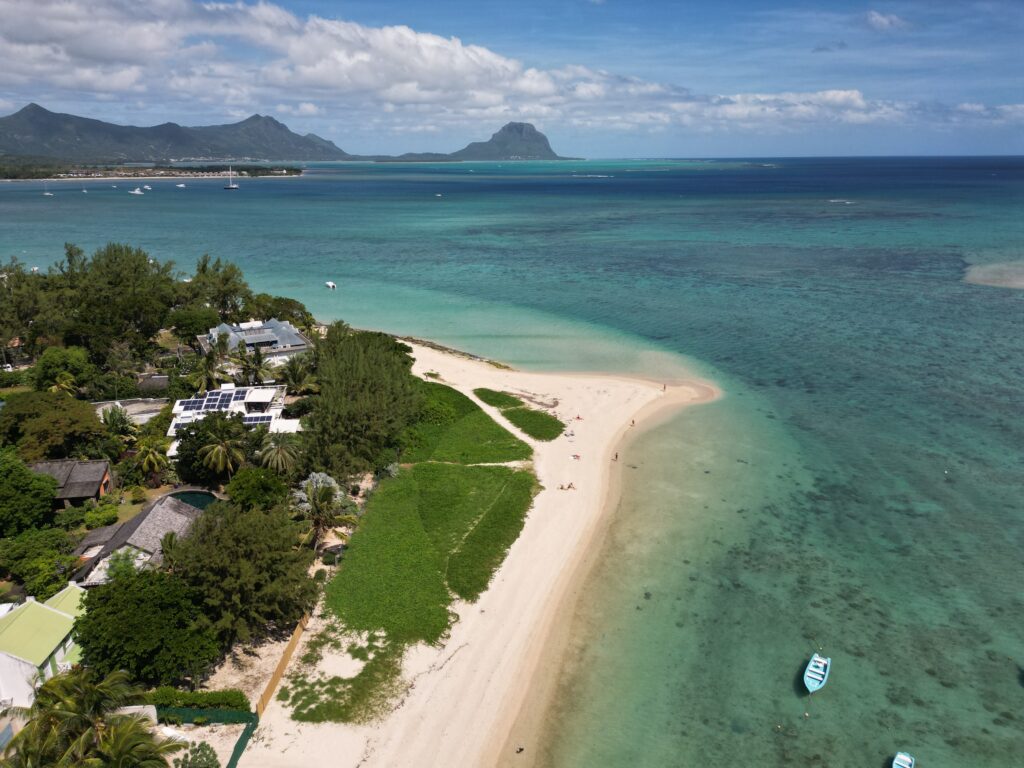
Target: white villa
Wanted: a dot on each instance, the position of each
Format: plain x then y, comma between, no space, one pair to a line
277,340
258,406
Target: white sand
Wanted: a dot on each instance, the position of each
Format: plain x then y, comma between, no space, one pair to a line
466,696
1009,274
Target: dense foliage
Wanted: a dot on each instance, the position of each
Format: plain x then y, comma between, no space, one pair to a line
368,396
74,722
254,487
26,498
497,399
537,424
230,698
51,425
250,577
145,622
197,465
40,559
198,755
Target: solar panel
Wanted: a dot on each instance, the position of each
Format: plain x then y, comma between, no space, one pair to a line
260,419
240,395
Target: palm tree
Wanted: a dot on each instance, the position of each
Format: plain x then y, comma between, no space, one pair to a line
119,425
65,382
169,549
223,454
72,722
323,512
279,452
252,368
152,459
298,375
127,743
209,374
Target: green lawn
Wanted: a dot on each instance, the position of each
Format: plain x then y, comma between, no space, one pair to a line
497,399
455,429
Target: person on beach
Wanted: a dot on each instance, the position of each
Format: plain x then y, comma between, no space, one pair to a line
571,487
616,457
632,422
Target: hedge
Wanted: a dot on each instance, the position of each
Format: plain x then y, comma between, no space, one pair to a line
166,696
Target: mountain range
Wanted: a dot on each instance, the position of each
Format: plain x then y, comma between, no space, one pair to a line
37,132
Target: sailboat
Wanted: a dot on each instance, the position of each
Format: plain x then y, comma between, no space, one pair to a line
46,190
147,187
136,191
180,186
231,183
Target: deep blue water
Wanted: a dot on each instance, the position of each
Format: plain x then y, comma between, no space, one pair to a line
859,489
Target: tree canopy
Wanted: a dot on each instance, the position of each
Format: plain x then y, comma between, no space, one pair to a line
255,487
145,622
368,396
51,425
250,577
39,558
26,498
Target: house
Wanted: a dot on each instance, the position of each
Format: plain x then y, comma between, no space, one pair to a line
77,481
36,643
276,339
140,536
258,406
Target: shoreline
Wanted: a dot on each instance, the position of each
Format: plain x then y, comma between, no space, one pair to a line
466,697
191,177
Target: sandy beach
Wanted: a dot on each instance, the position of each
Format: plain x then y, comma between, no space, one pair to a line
465,704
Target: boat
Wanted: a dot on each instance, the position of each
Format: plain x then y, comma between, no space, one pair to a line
46,190
231,184
816,673
147,187
136,191
332,285
903,760
180,186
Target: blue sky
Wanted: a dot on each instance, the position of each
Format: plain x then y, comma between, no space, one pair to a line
602,79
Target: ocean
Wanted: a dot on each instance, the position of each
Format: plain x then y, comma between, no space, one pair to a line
859,490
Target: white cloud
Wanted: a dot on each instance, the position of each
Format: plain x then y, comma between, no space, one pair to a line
884,22
237,57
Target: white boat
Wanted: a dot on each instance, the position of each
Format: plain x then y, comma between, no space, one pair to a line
816,673
147,187
46,190
136,191
231,183
180,186
332,285
903,760
85,191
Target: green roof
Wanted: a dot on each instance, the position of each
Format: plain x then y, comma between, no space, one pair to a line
68,600
33,631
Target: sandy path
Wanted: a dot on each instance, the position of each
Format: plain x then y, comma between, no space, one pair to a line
466,695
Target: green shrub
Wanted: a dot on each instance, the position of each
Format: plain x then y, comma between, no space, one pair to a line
104,514
497,399
138,494
537,424
69,518
199,720
199,755
230,698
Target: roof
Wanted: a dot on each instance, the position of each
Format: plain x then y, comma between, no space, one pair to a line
278,335
68,600
97,537
75,479
144,531
33,631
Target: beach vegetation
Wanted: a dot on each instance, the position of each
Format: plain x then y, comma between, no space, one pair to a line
537,424
497,399
280,452
450,427
145,622
226,698
368,396
198,755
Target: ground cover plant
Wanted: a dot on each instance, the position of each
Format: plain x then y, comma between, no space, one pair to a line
537,424
434,533
453,428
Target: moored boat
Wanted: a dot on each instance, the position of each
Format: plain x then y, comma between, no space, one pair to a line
903,760
816,673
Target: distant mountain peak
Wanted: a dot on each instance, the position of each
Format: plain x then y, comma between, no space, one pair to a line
35,131
513,141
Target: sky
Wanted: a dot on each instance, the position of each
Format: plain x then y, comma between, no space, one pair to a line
602,78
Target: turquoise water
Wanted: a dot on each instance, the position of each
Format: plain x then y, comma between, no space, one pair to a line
198,499
859,489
